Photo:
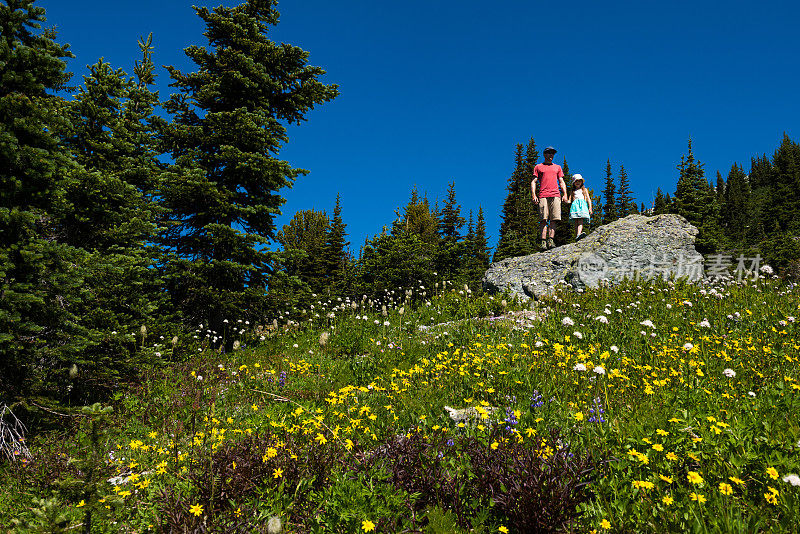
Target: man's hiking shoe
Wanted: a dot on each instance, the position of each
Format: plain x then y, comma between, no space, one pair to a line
550,243
580,236
543,246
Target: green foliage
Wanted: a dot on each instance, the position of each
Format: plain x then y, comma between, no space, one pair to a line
337,258
661,203
392,262
351,498
519,228
782,252
610,196
696,201
41,284
736,215
305,237
625,203
228,123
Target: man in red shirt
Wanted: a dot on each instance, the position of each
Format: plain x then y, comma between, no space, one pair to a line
550,179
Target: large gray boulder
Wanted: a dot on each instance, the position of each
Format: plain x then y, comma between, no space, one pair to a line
635,247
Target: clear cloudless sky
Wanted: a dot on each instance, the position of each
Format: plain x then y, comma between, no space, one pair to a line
437,91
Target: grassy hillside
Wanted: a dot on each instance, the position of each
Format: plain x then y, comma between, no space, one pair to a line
648,407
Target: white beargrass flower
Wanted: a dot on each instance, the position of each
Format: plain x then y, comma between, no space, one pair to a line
730,373
579,367
566,321
704,323
648,323
599,370
602,318
614,349
792,479
577,334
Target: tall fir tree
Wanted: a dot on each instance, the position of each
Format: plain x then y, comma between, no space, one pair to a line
304,240
625,204
113,218
511,241
736,212
519,228
450,251
228,125
610,196
719,188
762,195
41,278
660,204
529,212
477,261
784,185
695,200
337,258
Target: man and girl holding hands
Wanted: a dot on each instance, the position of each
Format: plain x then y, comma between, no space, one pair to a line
549,178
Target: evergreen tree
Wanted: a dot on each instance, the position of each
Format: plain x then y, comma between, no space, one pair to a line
719,189
528,211
476,260
417,218
625,204
450,219
660,204
610,196
762,195
511,242
736,213
450,252
228,124
337,259
113,218
41,277
696,201
304,240
784,185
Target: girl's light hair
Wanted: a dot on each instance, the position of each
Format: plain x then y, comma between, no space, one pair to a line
571,196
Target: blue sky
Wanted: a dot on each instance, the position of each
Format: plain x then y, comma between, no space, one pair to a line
438,91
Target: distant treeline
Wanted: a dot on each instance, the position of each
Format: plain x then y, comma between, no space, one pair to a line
127,220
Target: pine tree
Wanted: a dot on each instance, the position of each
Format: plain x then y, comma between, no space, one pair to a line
785,183
336,256
528,211
695,200
450,251
450,219
660,203
736,213
511,242
480,252
762,195
41,278
625,204
719,189
610,196
304,240
228,124
112,218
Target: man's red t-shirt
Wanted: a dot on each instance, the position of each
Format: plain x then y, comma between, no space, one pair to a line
548,176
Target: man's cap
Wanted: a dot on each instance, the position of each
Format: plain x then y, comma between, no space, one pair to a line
577,177
550,149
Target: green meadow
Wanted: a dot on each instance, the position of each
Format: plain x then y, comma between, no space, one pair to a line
647,407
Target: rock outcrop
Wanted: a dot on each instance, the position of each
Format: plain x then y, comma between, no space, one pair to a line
635,247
